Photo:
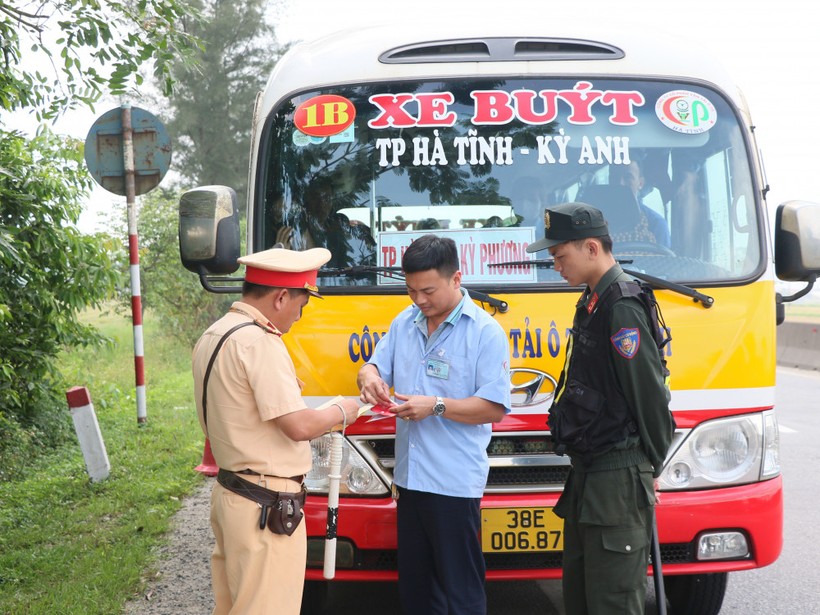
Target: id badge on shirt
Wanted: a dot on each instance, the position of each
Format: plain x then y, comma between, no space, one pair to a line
437,368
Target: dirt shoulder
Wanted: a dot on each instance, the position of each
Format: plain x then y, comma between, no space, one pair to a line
182,583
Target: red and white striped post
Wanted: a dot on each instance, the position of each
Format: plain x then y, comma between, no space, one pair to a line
88,433
134,257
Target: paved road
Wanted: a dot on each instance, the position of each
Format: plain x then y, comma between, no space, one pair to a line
503,598
792,584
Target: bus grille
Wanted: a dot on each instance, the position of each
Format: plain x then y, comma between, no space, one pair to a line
520,462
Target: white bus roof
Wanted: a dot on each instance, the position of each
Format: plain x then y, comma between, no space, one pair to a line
353,56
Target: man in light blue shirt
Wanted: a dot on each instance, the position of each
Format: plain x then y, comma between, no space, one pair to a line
448,363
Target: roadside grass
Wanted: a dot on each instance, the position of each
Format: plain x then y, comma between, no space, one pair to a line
71,546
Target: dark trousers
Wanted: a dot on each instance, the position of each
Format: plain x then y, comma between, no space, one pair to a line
441,566
607,531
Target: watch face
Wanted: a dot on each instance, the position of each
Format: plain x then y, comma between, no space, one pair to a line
438,409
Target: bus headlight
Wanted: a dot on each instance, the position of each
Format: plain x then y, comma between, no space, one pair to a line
358,477
730,451
725,451
722,545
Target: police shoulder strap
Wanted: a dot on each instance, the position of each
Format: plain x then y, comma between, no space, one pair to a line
211,365
652,308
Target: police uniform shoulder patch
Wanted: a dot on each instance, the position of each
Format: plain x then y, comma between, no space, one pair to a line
627,342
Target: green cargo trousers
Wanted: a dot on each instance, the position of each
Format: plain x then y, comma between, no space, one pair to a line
607,532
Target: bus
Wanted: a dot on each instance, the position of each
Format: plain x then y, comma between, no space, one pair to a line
364,140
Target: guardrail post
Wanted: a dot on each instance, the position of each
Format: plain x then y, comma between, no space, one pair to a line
88,433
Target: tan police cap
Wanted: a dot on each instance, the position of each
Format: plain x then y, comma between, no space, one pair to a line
286,268
568,222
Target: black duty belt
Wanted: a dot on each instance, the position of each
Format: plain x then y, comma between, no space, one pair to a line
249,472
287,508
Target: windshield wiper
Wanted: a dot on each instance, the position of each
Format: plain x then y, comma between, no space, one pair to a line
360,270
686,291
501,306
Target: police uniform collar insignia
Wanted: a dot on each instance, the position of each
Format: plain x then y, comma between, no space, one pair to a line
592,302
267,325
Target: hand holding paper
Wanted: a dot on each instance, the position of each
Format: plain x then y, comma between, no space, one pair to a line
377,412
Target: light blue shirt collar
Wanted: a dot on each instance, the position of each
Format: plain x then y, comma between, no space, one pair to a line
421,320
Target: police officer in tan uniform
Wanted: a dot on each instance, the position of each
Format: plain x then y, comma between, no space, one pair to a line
610,415
258,425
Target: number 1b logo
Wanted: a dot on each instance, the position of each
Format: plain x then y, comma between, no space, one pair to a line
324,116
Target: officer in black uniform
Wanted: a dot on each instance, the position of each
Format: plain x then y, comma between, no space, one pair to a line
610,415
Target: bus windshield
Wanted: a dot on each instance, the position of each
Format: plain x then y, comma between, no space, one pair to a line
364,169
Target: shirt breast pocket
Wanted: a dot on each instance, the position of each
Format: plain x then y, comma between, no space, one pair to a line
453,375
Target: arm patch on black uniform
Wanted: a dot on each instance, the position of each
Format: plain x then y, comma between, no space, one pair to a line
627,342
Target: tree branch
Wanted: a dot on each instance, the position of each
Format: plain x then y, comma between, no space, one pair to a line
21,17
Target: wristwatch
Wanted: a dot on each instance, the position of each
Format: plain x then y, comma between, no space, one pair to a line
439,407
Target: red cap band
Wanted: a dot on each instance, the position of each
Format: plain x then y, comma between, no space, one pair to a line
281,279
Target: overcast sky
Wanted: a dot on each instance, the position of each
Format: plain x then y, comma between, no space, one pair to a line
770,49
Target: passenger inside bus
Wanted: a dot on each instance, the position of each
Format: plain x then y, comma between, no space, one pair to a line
620,208
631,176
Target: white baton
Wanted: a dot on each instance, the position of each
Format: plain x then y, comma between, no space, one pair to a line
335,477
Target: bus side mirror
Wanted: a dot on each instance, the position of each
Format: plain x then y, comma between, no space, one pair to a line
797,241
209,230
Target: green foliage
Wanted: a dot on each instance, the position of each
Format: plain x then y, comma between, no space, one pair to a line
57,55
50,273
70,546
100,46
213,103
211,116
173,294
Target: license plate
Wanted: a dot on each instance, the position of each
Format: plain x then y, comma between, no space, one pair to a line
521,529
